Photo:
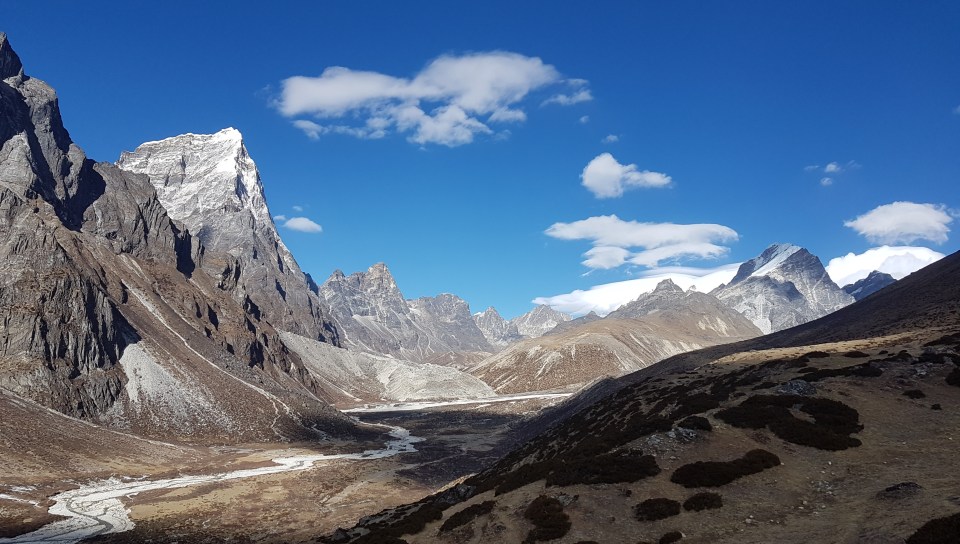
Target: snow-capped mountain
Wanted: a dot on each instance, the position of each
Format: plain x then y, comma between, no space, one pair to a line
783,287
874,282
108,311
373,316
210,183
539,321
497,330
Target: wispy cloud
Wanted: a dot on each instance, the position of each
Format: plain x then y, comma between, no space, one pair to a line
607,297
584,119
610,139
617,242
897,261
832,170
903,223
302,224
449,102
607,178
825,181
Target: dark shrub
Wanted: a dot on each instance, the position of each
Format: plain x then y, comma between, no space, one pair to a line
816,355
703,501
945,530
696,423
936,406
914,394
670,538
718,473
865,370
834,421
945,340
654,509
936,358
855,354
612,468
549,520
467,515
953,378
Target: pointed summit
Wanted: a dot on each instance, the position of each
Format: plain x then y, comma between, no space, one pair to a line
10,65
539,321
210,183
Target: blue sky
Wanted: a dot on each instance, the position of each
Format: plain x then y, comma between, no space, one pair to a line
731,113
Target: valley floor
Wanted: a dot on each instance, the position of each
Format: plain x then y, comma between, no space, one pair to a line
240,494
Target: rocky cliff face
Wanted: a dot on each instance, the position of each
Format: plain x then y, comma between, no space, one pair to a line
210,183
497,330
874,282
539,321
783,287
373,316
105,310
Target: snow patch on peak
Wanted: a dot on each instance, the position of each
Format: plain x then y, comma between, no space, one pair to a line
773,257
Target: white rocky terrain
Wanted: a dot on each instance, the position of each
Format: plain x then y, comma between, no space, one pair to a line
657,325
783,287
352,377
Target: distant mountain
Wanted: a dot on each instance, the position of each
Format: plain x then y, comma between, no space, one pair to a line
682,449
497,330
372,316
582,320
783,287
210,183
108,311
657,325
539,321
874,282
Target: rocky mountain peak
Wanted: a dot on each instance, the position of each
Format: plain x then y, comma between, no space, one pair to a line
874,282
210,183
667,286
10,65
497,330
539,321
768,260
376,318
784,286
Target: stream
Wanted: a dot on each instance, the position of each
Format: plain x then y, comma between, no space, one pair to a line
96,509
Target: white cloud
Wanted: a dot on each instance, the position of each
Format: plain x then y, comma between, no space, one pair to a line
607,178
832,168
279,217
610,138
302,224
826,181
613,238
448,102
897,261
585,119
903,223
297,208
607,297
811,167
583,95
